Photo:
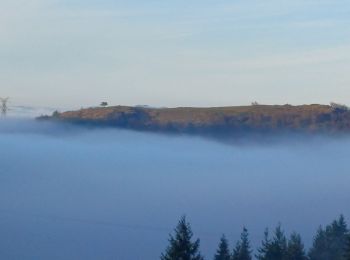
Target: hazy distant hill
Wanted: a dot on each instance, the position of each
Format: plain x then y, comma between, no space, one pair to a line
28,111
217,120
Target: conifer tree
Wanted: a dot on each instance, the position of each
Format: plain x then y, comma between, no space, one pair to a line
278,249
223,252
242,250
275,249
338,237
236,251
265,245
330,243
319,251
347,249
181,245
295,248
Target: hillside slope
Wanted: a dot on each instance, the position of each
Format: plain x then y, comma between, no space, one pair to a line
216,120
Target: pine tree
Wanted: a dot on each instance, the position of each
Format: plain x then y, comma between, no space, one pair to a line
330,243
181,247
295,248
223,252
236,251
319,251
242,250
338,238
275,249
347,249
278,249
265,246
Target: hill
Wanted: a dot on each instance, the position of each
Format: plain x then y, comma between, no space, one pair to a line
223,121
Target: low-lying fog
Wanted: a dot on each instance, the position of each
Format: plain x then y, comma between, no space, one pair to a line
70,193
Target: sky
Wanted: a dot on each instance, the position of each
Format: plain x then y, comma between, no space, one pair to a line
74,53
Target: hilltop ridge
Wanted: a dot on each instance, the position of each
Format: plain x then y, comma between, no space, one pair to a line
225,121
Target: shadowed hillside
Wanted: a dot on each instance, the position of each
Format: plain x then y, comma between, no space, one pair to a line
225,121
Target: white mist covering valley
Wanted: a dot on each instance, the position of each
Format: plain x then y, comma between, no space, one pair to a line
74,193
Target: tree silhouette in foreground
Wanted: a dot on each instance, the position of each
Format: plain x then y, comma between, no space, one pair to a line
263,251
242,251
279,248
295,248
223,252
275,248
180,245
330,242
347,249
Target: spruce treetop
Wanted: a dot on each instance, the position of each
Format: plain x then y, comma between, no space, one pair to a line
181,246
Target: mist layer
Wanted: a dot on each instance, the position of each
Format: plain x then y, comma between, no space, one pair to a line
73,193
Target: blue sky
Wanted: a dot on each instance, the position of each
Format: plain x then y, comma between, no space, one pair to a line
174,53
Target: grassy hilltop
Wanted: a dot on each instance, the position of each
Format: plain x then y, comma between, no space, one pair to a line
217,120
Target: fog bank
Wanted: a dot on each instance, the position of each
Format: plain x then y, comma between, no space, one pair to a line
74,193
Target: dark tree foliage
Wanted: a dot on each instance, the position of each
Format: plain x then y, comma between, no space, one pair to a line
242,251
347,249
275,248
181,246
330,243
278,248
223,252
295,248
265,245
319,249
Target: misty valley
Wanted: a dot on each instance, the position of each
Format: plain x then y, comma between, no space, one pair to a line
174,130
69,192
